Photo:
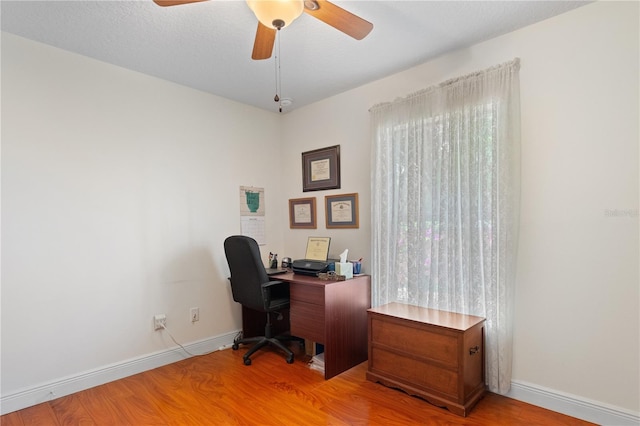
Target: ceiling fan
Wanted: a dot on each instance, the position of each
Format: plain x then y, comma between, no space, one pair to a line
273,15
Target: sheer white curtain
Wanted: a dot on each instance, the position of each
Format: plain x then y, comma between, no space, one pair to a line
445,210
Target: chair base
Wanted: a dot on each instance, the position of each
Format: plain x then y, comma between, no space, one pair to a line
260,342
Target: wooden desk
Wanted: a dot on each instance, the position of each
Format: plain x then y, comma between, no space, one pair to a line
333,313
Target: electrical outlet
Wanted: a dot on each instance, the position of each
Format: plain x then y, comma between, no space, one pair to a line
195,314
159,321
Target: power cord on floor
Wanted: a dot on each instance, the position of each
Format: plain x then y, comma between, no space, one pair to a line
183,348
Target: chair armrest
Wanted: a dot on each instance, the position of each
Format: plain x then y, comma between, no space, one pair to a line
272,283
267,287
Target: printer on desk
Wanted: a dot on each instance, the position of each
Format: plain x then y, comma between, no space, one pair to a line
315,260
309,267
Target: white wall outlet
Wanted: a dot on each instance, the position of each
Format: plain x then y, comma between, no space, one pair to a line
195,314
159,321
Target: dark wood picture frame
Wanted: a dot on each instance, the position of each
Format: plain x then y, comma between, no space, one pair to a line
342,211
321,169
302,213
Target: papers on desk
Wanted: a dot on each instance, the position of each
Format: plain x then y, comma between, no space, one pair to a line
317,362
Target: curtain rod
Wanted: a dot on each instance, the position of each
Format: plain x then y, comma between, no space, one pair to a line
514,64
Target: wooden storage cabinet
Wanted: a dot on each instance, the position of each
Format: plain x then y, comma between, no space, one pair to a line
436,355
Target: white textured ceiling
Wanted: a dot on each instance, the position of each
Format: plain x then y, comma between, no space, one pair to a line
207,46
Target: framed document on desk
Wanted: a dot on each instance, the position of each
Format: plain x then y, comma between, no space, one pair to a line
317,248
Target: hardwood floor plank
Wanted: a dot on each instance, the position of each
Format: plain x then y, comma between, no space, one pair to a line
70,411
218,389
163,400
41,414
103,402
11,419
188,397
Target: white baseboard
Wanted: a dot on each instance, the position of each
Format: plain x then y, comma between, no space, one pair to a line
572,405
68,385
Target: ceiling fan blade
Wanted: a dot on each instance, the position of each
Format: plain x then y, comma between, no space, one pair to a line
174,2
340,19
263,46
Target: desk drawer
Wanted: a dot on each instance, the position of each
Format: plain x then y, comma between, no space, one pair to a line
307,321
307,293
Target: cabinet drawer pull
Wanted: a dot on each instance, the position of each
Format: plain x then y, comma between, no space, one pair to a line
474,350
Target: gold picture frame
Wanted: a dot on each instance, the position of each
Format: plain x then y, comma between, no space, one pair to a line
302,213
342,211
321,169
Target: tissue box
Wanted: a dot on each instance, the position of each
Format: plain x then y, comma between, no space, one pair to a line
344,268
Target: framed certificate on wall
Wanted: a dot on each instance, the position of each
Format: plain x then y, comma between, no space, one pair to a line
321,169
302,213
342,210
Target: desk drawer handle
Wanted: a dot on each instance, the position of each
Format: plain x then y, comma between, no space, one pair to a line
474,350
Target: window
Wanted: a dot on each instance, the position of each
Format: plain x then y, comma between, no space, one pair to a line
445,203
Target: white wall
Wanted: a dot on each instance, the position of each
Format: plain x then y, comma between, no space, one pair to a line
576,330
118,190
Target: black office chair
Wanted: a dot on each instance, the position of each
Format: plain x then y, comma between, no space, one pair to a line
252,287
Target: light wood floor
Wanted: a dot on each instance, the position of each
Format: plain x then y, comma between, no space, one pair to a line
217,389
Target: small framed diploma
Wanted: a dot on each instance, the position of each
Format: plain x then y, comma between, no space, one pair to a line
342,210
302,213
321,169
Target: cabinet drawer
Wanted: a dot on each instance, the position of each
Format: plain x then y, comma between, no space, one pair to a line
418,341
307,321
307,293
416,373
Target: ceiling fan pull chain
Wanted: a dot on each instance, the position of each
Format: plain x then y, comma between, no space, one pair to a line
279,72
276,98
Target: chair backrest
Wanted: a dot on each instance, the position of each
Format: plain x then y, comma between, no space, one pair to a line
247,271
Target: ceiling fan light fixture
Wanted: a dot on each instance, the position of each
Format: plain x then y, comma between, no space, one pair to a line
272,13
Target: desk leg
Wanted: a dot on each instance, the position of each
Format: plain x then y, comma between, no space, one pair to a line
309,347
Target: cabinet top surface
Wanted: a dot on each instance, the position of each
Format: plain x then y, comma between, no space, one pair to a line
428,316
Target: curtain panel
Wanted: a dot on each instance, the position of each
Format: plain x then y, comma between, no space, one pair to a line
445,203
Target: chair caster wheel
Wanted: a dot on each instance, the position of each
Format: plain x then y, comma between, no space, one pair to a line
235,346
290,360
247,361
